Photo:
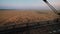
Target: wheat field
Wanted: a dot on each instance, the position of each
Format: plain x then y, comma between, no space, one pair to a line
20,16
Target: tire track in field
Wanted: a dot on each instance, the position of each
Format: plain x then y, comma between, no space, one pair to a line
4,17
11,20
2,21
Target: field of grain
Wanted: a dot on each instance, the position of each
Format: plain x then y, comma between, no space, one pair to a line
21,16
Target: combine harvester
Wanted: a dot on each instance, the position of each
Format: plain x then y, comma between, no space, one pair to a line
52,28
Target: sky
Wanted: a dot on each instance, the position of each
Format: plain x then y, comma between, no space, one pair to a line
28,4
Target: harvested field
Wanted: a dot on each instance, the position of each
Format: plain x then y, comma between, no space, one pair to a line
20,17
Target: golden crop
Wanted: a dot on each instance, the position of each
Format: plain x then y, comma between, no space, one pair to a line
19,17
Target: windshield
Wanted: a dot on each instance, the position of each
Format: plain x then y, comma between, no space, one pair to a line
27,10
24,16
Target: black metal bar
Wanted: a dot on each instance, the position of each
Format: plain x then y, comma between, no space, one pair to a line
50,6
